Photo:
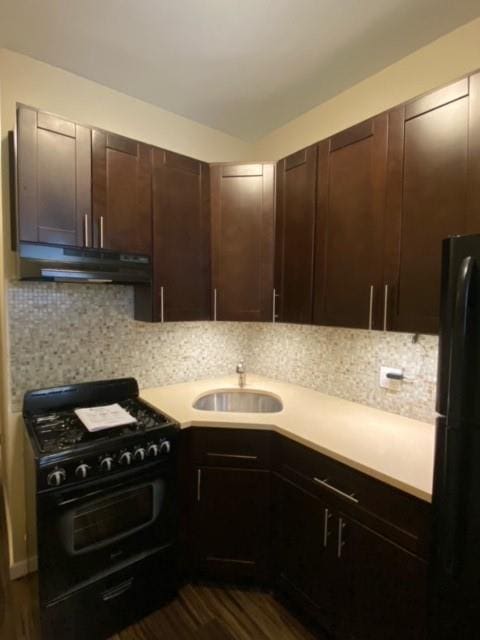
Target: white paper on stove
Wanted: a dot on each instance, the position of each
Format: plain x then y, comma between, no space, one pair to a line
106,417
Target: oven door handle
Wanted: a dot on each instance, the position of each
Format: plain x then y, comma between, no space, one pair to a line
82,497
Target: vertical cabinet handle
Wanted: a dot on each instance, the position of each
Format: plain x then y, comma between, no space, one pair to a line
85,229
340,542
162,304
101,232
370,309
215,305
385,308
199,485
326,517
274,306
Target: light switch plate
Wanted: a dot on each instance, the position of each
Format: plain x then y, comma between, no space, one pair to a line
388,383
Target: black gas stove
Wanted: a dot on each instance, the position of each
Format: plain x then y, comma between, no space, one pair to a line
106,509
67,452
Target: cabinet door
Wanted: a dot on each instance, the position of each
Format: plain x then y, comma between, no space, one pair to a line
122,193
242,235
387,585
349,243
181,237
295,235
434,177
54,180
305,562
232,523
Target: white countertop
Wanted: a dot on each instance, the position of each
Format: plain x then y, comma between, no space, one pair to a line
386,446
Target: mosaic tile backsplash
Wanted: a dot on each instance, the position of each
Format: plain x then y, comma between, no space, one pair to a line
63,333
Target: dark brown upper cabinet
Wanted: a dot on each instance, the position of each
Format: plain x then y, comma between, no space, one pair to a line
350,225
181,238
242,241
433,192
53,180
122,193
295,235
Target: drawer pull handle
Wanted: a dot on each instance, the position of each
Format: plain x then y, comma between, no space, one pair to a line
117,591
231,455
327,485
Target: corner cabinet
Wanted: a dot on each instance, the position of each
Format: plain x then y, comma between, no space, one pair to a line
122,193
181,237
53,180
295,235
242,241
230,504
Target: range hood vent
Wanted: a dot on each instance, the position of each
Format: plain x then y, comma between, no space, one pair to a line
58,264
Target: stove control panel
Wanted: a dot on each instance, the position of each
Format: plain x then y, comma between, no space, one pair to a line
112,461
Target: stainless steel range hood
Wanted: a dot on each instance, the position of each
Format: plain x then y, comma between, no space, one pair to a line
58,264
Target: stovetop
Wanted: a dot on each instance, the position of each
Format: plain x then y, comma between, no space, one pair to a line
57,431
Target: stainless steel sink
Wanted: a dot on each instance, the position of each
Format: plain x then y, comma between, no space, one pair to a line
239,401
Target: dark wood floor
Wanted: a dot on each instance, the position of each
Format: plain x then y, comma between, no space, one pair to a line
198,613
212,613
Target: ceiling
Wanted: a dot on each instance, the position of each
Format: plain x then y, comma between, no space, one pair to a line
245,67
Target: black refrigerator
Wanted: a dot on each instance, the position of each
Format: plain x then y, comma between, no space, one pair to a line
455,557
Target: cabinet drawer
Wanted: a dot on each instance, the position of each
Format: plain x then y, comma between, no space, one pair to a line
244,448
393,513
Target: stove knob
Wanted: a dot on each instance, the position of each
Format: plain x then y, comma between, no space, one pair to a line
139,454
165,447
106,464
82,471
56,477
125,458
152,450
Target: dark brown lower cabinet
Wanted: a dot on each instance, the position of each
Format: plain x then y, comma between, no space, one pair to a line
346,549
387,585
353,581
302,562
232,524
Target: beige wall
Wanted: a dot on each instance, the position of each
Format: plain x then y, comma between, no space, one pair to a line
440,62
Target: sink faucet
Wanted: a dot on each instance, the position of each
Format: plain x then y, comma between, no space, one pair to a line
242,374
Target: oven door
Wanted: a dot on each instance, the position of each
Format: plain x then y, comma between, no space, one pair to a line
84,533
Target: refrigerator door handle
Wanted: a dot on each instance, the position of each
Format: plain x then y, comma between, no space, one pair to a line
453,511
457,364
456,440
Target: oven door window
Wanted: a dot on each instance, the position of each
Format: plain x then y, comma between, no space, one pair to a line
107,519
